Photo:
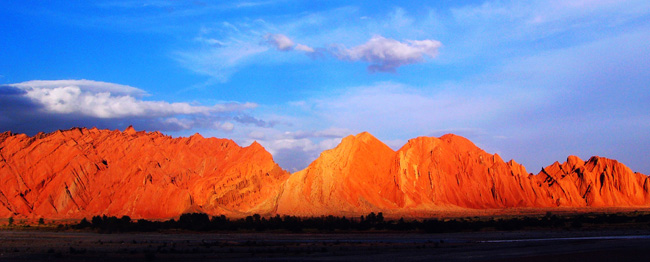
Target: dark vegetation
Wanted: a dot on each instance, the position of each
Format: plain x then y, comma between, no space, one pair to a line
371,222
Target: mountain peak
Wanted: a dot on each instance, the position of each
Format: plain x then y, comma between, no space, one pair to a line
574,161
353,177
130,130
363,140
256,145
366,137
197,136
363,135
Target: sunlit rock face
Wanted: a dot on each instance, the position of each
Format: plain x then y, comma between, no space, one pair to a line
597,182
83,172
350,179
86,172
430,174
452,171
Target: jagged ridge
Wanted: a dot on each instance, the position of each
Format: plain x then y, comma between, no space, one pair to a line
427,174
85,172
82,172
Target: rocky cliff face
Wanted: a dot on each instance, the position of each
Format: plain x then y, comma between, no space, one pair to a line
349,179
84,172
452,171
597,182
362,174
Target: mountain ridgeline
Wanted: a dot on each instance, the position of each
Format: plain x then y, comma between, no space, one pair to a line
82,172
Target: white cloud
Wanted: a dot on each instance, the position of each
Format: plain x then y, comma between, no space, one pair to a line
279,41
325,133
94,86
226,126
292,150
295,154
65,103
107,100
227,47
181,123
256,134
284,43
386,55
304,48
383,54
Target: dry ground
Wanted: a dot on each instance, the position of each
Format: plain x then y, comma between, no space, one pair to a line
555,245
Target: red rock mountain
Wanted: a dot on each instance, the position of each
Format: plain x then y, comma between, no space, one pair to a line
349,179
430,174
85,172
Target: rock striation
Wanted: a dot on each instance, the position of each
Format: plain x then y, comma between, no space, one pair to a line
86,172
349,179
430,174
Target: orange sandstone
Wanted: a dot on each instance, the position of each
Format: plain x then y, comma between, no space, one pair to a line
349,179
448,173
85,172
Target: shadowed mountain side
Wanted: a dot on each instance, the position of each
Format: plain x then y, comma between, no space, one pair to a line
83,172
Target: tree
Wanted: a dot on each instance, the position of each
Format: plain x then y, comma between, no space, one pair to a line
84,223
194,221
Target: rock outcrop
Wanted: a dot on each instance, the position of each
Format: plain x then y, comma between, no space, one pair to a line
430,174
83,172
597,182
349,179
452,171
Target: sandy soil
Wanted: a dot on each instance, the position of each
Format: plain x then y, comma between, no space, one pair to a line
602,245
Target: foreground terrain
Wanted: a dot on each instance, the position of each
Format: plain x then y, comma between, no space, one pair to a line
555,245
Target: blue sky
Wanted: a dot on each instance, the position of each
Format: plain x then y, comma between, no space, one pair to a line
531,80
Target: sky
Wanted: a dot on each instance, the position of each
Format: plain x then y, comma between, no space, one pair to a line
534,81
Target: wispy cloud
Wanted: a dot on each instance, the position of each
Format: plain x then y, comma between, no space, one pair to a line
227,47
393,108
279,41
304,48
284,43
220,58
247,119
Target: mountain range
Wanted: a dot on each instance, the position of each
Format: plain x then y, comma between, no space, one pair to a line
83,172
